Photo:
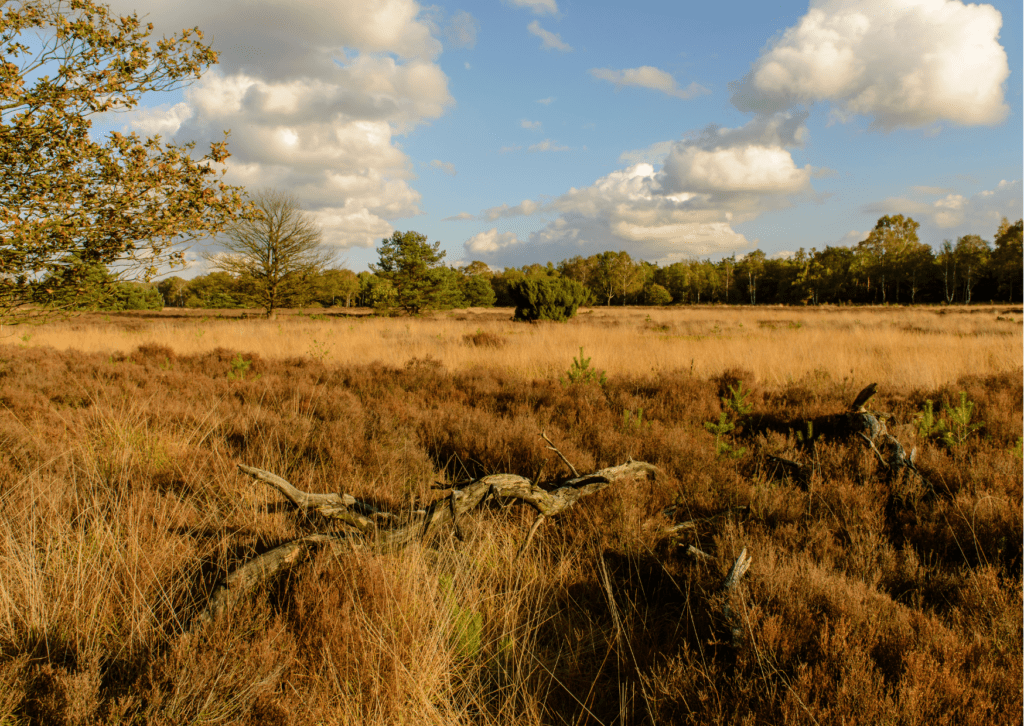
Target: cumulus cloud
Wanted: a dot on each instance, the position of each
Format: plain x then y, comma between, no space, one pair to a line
460,217
955,214
537,6
648,77
314,95
491,241
750,159
548,40
532,125
904,64
546,101
446,166
164,120
709,182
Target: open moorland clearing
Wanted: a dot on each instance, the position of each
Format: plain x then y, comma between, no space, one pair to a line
904,347
876,592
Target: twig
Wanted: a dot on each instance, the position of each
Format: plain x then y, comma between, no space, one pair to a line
677,528
529,537
874,448
551,446
739,569
698,554
606,581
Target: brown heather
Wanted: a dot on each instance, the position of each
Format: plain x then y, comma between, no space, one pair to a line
867,602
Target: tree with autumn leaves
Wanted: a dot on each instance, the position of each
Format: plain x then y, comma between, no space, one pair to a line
69,203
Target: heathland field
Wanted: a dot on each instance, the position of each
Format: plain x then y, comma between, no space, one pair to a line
877,593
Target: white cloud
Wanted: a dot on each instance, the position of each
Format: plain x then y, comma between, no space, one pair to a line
547,145
352,227
532,125
490,241
735,169
954,213
546,101
460,217
315,95
648,77
508,149
750,159
709,182
549,40
446,166
537,6
159,120
905,64
524,208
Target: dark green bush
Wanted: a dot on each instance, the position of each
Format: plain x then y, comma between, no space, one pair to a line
547,298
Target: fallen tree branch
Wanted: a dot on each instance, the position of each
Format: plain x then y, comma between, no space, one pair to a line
857,421
400,529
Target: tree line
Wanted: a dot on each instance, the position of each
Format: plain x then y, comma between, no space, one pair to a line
891,266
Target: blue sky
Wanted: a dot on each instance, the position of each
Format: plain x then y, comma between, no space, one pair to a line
522,131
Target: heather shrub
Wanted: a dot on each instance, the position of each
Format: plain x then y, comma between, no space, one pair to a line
872,597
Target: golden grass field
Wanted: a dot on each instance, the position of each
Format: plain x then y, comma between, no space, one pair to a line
925,346
873,597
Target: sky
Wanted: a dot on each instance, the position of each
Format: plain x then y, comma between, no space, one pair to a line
521,131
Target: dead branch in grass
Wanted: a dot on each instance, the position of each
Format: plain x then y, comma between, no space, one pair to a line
399,530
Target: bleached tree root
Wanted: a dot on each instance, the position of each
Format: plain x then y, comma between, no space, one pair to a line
382,531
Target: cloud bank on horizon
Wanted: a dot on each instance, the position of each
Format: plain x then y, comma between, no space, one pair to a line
320,97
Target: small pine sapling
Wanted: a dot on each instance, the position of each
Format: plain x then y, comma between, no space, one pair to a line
581,372
736,408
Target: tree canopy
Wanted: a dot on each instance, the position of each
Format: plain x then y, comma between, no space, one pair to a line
414,269
279,250
67,202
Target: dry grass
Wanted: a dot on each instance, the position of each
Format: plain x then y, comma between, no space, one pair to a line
907,347
869,601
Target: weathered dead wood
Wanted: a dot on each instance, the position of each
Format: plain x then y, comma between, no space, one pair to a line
401,529
738,570
857,421
863,397
732,580
264,567
698,554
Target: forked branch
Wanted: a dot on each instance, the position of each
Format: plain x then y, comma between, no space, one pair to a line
398,530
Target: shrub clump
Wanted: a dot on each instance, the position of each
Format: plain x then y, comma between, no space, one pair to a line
484,339
547,298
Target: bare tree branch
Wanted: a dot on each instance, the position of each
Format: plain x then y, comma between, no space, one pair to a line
407,527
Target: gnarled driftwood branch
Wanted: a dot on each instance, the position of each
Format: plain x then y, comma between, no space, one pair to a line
398,530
